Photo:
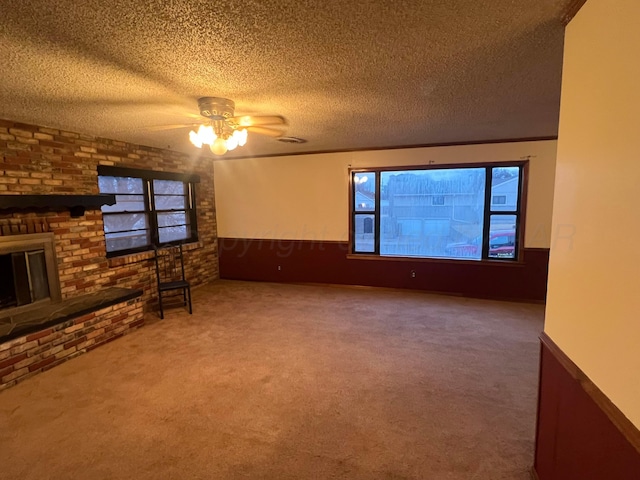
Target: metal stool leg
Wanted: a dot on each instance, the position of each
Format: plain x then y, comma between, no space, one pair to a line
189,294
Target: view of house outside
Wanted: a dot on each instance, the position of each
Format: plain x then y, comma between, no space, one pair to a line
437,213
127,224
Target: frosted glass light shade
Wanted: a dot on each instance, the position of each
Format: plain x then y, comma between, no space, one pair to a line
242,137
232,142
206,134
195,139
219,146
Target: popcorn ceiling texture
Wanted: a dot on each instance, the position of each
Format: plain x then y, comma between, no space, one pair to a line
345,74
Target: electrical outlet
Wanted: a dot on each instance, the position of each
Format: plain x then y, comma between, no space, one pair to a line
413,274
279,268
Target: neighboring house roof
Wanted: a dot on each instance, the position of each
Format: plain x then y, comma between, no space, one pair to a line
362,198
505,182
364,193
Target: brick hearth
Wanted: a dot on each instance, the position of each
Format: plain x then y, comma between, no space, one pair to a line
28,355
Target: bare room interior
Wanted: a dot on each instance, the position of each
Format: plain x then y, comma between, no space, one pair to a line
319,240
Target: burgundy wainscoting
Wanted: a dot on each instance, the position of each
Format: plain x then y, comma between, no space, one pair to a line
581,435
311,261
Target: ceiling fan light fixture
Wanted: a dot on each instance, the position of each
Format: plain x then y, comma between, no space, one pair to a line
219,146
226,132
204,136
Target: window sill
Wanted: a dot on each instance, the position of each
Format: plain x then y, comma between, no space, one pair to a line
130,258
453,261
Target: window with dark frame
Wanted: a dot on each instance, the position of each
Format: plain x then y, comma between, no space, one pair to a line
437,200
152,208
403,213
499,200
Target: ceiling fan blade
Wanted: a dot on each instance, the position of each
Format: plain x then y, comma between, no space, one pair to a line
159,128
271,132
257,120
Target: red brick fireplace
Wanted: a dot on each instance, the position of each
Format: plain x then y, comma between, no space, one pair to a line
42,165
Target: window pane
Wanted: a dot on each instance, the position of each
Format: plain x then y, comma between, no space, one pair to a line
120,185
364,237
504,189
171,219
432,213
125,221
364,185
502,236
168,187
126,203
170,202
127,240
171,234
127,224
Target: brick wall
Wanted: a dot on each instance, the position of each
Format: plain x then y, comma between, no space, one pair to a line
31,354
39,160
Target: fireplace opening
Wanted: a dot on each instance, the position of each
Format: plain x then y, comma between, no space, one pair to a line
7,289
23,279
28,272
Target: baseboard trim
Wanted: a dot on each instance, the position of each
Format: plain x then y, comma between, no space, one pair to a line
630,432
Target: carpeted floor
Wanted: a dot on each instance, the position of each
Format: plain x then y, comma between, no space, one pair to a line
269,381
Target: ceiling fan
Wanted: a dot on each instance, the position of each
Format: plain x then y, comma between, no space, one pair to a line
223,131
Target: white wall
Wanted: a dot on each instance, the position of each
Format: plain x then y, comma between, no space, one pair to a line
306,197
593,304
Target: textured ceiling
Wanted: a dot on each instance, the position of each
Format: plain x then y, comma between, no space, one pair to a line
345,74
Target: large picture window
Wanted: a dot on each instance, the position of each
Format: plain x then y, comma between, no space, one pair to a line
152,208
469,212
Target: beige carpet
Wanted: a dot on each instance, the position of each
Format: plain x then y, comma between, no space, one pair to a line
270,381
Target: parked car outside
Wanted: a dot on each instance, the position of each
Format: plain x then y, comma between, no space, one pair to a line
502,244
